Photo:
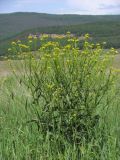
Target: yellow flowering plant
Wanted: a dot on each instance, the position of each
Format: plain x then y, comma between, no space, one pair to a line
68,86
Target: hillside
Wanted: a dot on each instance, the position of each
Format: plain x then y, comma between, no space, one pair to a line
18,22
18,25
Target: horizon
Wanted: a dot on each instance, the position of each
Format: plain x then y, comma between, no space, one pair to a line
76,7
60,13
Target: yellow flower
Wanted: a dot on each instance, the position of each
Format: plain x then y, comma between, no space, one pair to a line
47,55
67,61
56,49
35,37
44,36
116,52
13,43
87,35
71,40
68,46
49,67
68,33
18,41
98,44
43,58
9,49
23,46
76,40
30,37
30,41
50,86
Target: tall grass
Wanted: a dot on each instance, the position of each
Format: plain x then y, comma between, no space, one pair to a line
61,104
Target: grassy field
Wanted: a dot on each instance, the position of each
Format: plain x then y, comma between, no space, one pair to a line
5,68
117,61
64,105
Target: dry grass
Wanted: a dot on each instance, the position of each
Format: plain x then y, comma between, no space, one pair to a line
6,70
116,63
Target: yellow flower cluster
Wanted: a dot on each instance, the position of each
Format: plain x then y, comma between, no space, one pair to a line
13,43
24,46
87,36
30,37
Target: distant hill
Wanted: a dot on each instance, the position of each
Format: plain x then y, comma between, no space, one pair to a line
15,25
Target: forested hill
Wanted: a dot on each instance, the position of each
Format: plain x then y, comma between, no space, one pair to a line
11,24
18,25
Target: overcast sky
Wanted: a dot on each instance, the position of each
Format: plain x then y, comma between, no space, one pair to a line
61,6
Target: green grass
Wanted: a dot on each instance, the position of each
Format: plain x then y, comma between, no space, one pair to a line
5,68
22,140
22,134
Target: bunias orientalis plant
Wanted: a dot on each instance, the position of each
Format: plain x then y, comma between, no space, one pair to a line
69,87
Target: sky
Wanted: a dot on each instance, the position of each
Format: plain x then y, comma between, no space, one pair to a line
83,7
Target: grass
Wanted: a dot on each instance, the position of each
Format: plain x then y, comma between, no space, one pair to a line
20,140
20,135
117,61
5,68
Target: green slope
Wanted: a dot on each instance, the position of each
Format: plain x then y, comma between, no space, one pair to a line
19,25
13,23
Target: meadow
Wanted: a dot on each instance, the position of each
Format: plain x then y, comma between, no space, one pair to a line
60,103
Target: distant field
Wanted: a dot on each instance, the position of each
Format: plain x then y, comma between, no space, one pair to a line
6,70
117,60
